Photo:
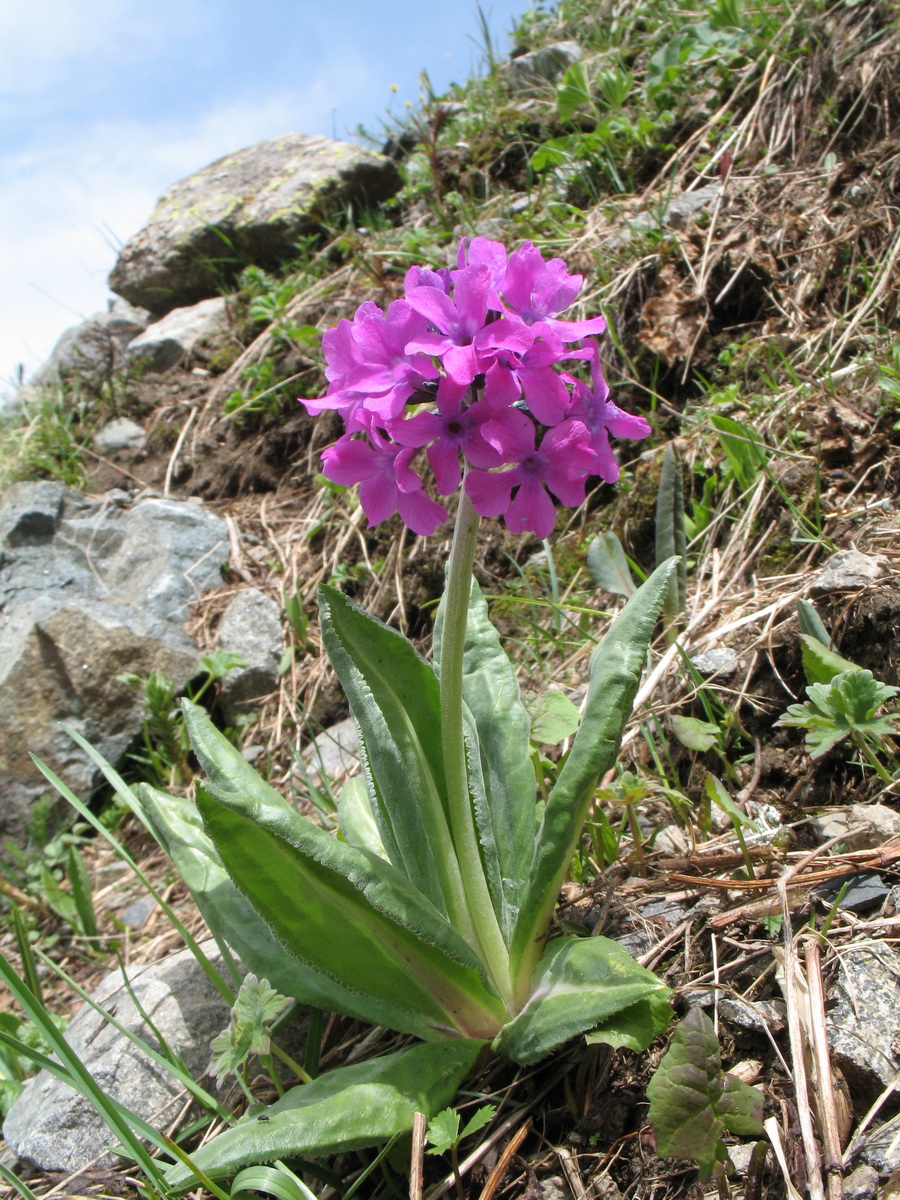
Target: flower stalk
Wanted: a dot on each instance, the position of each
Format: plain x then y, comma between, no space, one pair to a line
489,943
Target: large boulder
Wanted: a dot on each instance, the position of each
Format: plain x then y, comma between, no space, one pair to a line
89,590
249,207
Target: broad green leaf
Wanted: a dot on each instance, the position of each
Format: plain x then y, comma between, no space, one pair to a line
553,718
504,793
574,89
346,1109
395,701
232,920
695,734
354,917
692,1102
227,769
615,672
635,1027
820,664
670,535
609,567
355,818
581,983
745,450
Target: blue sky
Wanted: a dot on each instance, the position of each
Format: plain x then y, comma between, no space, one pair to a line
104,103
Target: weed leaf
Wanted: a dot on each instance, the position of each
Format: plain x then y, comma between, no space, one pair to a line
693,1102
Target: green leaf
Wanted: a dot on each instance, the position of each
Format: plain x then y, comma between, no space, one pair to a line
553,718
694,734
347,1109
692,1102
635,1027
581,983
820,664
443,1131
257,1004
395,701
356,820
504,792
811,623
232,920
573,90
608,565
354,917
615,672
745,450
670,536
715,789
479,1118
847,705
82,895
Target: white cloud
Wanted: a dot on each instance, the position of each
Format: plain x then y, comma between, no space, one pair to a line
66,207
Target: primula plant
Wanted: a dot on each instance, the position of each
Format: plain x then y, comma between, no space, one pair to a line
431,913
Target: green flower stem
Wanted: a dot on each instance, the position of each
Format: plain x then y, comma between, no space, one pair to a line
490,944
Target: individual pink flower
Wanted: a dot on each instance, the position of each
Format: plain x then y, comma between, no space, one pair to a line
591,405
561,464
368,366
465,341
454,428
387,483
535,290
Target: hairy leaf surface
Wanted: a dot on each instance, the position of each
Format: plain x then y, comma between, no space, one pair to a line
346,1109
582,983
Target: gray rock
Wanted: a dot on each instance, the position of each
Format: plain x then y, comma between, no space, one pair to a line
881,1149
56,1128
89,591
529,71
860,826
262,199
682,208
136,915
717,661
864,1020
861,1184
96,348
120,434
334,755
250,627
759,1016
848,570
172,339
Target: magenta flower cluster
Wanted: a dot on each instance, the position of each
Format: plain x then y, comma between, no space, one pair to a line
470,367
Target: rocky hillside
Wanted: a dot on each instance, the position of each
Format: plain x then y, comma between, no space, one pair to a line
727,182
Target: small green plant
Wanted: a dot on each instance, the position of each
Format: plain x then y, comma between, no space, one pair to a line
50,443
693,1102
445,1135
847,707
166,751
256,1007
